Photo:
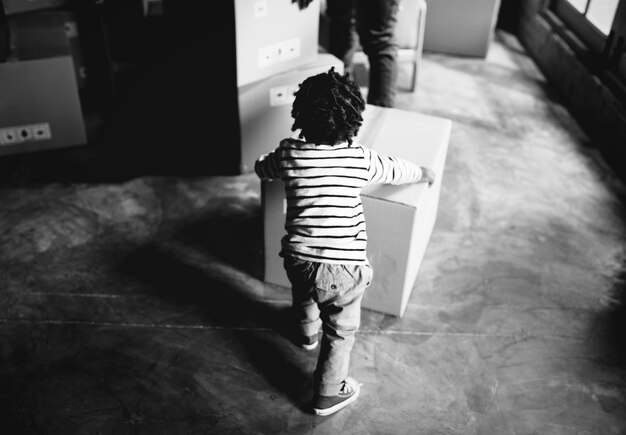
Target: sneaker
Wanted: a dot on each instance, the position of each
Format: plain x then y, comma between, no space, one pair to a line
326,405
310,342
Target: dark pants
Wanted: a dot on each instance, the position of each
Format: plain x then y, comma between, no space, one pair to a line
374,21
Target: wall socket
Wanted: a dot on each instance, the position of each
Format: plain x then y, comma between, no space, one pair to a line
279,52
24,133
282,95
260,9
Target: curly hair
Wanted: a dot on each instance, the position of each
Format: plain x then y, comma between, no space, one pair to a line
327,108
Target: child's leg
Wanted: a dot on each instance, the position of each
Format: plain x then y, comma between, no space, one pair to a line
302,276
306,312
340,290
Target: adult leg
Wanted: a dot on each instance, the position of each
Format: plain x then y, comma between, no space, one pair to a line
376,24
342,34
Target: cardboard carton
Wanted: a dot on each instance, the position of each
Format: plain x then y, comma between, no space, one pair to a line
274,36
19,6
38,35
399,219
47,34
461,27
265,108
40,106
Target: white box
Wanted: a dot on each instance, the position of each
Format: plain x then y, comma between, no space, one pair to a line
273,36
265,108
461,27
399,219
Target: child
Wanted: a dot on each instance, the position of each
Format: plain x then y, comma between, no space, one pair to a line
324,249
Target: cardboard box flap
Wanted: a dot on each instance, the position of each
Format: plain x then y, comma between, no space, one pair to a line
385,130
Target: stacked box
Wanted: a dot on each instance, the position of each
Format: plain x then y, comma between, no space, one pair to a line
152,7
461,27
48,34
274,36
12,7
276,49
265,108
399,219
41,107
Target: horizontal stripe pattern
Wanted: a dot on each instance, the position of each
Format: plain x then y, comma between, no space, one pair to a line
323,183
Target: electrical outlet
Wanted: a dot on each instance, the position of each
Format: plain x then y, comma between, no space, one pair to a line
71,31
24,133
279,52
290,49
8,136
41,131
260,9
267,56
291,90
278,96
282,95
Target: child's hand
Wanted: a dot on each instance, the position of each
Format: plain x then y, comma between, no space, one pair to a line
428,176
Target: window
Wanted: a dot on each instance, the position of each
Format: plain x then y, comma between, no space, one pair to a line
600,25
600,13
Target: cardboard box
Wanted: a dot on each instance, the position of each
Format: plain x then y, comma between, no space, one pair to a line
265,108
38,35
461,27
47,34
399,219
40,106
71,32
152,7
19,6
273,36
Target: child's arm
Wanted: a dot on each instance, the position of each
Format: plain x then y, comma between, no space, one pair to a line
267,166
396,170
428,176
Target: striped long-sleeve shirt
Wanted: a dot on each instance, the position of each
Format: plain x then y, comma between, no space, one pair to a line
325,221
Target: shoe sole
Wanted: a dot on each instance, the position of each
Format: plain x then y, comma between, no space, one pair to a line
310,346
338,406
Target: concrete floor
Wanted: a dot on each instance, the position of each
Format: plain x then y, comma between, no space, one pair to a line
136,306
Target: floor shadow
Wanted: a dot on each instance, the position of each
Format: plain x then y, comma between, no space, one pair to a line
222,296
101,163
609,328
74,379
234,234
203,281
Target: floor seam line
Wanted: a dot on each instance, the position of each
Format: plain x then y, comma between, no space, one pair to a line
516,336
